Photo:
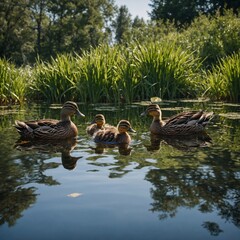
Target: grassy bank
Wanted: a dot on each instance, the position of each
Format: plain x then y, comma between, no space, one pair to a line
138,72
202,60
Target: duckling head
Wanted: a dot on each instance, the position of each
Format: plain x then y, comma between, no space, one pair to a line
99,119
125,126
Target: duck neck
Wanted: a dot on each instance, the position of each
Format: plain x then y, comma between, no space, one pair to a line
65,117
158,120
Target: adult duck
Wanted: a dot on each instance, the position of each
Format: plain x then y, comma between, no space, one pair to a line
51,129
117,135
185,123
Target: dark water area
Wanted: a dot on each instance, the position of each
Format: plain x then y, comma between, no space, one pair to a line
168,188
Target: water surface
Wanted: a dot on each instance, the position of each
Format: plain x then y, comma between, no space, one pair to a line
154,188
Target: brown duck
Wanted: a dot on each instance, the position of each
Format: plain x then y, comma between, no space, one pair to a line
51,129
117,135
98,123
185,123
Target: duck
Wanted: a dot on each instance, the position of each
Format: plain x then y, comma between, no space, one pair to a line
117,135
51,129
182,124
98,123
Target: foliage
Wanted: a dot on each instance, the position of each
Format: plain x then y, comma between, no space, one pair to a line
54,81
212,37
224,80
122,25
52,27
13,82
157,60
97,70
104,74
16,41
166,71
184,12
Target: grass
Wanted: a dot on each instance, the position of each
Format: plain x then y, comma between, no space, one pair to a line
202,60
166,70
224,80
13,83
54,81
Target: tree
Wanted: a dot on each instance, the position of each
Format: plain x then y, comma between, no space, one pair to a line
122,25
76,25
16,41
44,28
184,11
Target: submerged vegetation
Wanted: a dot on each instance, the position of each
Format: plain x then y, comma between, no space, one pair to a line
202,60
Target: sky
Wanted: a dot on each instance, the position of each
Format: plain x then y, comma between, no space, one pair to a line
136,7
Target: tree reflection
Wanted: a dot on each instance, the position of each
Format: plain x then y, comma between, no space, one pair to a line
213,228
16,174
209,189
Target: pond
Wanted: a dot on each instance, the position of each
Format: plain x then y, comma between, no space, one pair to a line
155,188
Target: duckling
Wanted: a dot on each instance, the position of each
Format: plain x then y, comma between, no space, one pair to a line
51,129
98,123
113,135
185,123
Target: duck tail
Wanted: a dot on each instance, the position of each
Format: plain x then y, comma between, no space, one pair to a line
22,127
206,118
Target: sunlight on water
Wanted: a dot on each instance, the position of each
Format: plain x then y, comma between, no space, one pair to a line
156,187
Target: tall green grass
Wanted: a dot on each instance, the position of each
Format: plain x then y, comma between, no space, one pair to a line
223,81
13,82
97,74
166,70
137,72
54,81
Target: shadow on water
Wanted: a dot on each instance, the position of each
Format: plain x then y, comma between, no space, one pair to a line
65,147
198,172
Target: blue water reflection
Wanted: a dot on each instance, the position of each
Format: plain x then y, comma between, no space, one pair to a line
160,188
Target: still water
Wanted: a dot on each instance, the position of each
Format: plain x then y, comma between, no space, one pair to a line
153,189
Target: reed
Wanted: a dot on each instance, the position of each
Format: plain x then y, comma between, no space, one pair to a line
166,70
97,70
13,83
54,81
224,80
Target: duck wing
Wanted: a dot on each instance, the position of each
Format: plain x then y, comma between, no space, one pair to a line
39,128
105,136
190,118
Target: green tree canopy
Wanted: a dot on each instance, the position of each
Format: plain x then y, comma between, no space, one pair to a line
43,28
122,25
184,11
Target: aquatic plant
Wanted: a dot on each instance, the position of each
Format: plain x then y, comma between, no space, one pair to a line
166,70
97,74
223,81
54,81
13,82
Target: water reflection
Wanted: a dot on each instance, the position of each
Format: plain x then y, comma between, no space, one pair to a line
123,149
211,189
65,147
184,143
199,172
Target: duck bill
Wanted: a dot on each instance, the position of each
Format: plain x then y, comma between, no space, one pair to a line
78,113
131,130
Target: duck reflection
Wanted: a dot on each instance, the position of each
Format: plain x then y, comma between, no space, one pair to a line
49,146
123,149
184,143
